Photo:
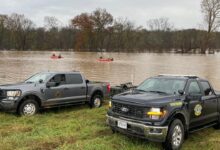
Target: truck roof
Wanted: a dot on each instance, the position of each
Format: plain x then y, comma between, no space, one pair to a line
60,72
179,76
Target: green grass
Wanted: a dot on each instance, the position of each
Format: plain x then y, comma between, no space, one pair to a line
81,128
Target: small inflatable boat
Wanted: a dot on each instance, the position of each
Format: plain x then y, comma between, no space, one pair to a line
56,57
106,59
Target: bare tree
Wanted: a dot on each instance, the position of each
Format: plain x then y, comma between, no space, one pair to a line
211,11
161,24
3,19
21,28
101,19
52,26
51,22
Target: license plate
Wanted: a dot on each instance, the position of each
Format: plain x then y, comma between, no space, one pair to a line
122,124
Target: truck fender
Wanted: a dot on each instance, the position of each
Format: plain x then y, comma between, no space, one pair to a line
35,94
180,114
97,91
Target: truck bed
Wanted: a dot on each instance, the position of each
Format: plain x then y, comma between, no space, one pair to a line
217,93
97,85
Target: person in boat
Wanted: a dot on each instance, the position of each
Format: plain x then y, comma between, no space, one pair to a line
59,56
100,57
112,59
53,55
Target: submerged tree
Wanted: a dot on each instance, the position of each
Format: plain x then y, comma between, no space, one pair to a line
211,11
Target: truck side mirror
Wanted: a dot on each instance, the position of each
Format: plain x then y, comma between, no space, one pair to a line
181,92
207,91
50,84
40,81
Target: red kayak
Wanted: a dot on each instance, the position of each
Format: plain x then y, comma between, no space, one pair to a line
106,59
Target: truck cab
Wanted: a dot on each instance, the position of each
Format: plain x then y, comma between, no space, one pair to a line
165,109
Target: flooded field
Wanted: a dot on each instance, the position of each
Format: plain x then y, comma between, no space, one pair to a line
128,67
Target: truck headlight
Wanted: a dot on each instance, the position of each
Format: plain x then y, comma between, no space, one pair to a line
110,104
13,93
156,113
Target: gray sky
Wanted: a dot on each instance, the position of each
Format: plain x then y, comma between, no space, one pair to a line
182,13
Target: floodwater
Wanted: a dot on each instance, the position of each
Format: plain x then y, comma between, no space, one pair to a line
16,66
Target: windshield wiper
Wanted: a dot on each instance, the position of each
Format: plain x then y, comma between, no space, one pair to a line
29,82
160,92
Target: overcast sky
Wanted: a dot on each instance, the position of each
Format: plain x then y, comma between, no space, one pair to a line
182,13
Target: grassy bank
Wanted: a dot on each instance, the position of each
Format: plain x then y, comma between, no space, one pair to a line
81,128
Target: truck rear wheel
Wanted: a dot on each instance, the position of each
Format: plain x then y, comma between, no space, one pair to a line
28,108
217,126
96,101
175,136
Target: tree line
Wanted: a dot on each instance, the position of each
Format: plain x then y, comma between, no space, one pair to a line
100,31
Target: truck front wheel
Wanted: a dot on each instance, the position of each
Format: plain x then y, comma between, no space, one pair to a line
96,101
175,136
28,108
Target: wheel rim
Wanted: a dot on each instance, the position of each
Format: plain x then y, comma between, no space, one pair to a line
97,102
29,109
177,136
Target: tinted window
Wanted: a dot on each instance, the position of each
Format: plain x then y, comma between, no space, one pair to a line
194,88
59,79
74,79
206,88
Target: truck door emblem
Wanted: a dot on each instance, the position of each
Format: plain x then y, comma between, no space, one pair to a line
198,110
124,109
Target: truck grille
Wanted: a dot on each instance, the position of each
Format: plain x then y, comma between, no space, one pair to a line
128,110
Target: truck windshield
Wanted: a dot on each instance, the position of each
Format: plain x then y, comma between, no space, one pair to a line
162,85
40,77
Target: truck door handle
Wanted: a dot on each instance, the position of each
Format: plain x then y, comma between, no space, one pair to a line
66,88
82,87
214,100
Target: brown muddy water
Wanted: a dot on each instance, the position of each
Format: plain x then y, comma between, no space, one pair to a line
128,67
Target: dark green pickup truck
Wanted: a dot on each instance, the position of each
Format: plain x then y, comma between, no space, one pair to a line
165,108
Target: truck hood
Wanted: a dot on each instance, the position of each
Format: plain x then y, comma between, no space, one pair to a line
145,98
20,86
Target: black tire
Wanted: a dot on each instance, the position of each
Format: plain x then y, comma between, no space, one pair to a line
28,107
217,126
96,101
172,142
113,131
